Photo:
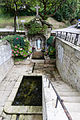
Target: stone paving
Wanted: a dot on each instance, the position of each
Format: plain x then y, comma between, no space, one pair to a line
8,83
70,96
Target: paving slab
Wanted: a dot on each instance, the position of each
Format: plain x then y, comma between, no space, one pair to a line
33,117
72,99
73,107
13,117
75,116
67,94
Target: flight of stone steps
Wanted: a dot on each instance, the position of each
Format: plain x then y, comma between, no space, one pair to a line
70,97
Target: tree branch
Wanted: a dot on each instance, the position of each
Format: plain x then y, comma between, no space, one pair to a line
57,9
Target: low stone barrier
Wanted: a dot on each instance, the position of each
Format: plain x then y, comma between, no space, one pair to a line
50,112
6,61
68,62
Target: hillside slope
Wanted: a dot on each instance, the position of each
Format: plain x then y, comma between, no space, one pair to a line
55,23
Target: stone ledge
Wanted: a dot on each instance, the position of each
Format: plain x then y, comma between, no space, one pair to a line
69,44
11,109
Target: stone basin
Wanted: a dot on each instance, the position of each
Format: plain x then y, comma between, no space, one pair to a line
13,109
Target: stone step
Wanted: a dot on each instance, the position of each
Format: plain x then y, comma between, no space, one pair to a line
73,99
13,117
38,55
75,116
21,117
32,117
72,107
61,86
64,89
65,94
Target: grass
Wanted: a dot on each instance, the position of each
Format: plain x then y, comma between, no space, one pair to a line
9,21
6,20
18,59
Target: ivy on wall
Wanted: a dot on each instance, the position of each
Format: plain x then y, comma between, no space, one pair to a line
34,28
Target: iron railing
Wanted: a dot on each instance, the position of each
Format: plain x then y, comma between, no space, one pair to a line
73,38
61,101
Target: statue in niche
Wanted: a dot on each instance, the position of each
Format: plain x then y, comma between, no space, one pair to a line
38,44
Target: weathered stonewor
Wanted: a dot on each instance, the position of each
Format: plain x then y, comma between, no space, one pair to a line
6,61
68,62
38,55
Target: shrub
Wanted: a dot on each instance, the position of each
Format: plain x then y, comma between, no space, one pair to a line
27,45
35,28
18,51
14,40
19,47
51,52
18,40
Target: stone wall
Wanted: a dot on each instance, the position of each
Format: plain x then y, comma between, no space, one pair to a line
6,62
68,62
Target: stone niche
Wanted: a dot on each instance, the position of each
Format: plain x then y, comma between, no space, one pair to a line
38,42
39,39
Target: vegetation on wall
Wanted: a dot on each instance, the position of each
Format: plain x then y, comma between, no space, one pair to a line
51,47
34,28
20,48
18,40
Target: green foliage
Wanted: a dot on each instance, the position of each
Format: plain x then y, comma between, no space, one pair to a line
35,28
27,45
51,52
50,40
18,40
18,51
14,40
67,11
9,38
60,9
19,47
58,16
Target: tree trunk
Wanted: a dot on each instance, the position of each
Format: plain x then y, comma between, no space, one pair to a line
15,23
15,14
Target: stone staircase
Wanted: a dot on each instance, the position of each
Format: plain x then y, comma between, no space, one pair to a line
38,55
70,97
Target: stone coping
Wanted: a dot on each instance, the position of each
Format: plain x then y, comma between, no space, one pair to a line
70,44
11,109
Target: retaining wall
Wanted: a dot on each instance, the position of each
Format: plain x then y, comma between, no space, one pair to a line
6,61
68,62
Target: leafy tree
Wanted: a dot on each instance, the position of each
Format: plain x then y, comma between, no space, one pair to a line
48,7
61,9
14,5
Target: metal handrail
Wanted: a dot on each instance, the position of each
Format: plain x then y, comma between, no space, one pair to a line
68,36
61,102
